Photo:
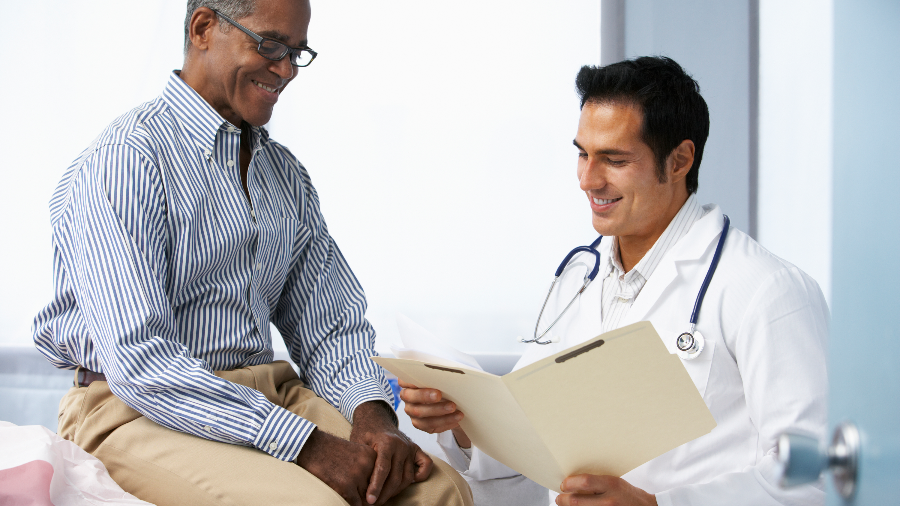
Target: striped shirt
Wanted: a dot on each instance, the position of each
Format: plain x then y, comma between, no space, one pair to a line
164,272
621,288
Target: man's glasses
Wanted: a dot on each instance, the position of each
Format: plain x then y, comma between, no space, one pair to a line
274,50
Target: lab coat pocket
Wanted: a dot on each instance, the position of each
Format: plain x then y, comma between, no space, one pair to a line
699,367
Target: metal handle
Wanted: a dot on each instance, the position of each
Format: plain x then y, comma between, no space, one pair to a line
803,459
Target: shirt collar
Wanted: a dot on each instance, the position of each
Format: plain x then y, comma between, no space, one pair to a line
201,121
259,137
689,213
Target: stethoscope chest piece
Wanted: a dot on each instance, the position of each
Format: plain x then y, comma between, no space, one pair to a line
690,345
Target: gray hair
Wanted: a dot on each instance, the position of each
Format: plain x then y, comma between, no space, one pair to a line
234,9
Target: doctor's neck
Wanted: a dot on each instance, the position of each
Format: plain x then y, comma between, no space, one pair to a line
633,246
630,253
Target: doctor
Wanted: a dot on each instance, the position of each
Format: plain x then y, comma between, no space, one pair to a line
764,322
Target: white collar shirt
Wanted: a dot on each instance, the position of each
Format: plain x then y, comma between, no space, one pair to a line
621,288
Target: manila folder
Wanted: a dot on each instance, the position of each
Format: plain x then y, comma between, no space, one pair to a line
602,407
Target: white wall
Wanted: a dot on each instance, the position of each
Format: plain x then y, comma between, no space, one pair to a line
795,142
438,136
711,41
68,70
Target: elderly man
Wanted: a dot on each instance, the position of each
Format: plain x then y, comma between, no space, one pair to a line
761,332
179,234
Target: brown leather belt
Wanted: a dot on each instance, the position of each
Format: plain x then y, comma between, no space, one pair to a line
84,377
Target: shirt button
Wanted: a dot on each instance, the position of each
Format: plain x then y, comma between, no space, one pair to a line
207,153
230,129
252,215
207,428
258,266
231,163
273,446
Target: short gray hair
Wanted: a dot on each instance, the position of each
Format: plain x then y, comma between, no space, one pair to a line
234,9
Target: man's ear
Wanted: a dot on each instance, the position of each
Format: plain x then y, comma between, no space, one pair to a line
203,21
680,160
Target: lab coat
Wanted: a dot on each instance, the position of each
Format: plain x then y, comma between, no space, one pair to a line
761,373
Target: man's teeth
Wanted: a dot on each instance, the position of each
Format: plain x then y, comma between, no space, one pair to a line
263,86
601,202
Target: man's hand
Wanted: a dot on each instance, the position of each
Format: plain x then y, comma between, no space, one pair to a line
342,465
399,462
589,490
429,413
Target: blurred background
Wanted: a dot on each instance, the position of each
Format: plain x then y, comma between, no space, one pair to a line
439,136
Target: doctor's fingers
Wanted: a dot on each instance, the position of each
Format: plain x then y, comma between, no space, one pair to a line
589,484
594,490
435,424
607,499
419,410
420,395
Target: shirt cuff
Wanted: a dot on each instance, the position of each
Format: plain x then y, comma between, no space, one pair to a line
283,434
455,456
367,389
663,499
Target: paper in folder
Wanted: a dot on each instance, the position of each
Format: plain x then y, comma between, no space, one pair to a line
605,406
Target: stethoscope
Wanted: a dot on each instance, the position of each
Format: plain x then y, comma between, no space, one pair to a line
689,344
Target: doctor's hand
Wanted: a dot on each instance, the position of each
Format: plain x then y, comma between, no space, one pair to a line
590,490
431,414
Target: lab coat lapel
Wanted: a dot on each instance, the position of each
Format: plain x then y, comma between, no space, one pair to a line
691,247
590,318
586,322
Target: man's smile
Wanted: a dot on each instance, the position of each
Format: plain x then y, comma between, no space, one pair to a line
270,89
602,205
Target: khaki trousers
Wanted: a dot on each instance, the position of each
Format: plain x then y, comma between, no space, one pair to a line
167,467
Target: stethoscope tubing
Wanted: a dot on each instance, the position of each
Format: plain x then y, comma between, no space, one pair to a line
587,281
698,303
709,273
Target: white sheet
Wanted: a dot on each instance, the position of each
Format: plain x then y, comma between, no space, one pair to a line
39,467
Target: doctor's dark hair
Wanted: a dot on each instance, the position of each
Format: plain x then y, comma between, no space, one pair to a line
668,98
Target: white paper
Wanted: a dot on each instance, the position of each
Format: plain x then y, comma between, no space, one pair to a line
421,356
419,341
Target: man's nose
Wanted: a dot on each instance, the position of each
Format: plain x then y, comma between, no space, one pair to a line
283,68
593,176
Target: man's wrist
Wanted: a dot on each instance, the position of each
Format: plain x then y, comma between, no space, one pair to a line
272,437
375,410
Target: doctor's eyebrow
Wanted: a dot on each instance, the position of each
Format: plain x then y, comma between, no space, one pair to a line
602,151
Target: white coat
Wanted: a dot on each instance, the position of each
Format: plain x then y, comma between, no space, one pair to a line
761,373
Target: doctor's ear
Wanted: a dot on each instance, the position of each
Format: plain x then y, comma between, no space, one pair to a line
680,160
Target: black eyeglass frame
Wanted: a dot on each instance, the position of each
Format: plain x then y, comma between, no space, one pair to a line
260,39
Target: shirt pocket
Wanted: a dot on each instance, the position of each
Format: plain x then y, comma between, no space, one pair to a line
281,246
699,367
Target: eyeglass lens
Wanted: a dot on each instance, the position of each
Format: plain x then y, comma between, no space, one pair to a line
275,50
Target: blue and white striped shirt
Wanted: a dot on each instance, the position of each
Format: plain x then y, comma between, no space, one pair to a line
164,272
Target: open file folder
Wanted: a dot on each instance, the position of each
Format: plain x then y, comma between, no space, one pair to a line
605,406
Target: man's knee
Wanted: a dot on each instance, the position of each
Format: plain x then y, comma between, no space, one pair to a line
445,486
171,468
